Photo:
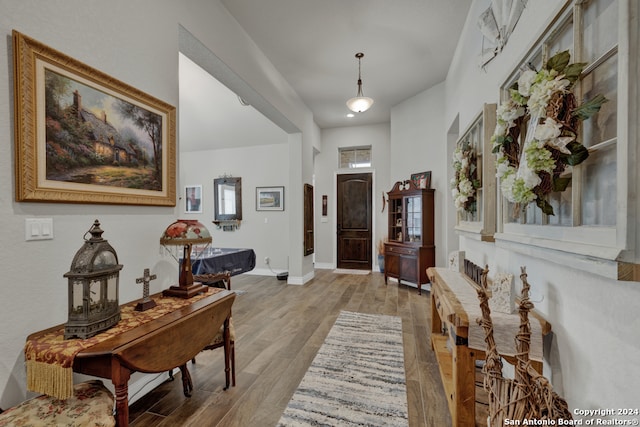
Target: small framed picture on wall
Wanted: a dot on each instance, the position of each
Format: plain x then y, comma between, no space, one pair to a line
269,198
193,199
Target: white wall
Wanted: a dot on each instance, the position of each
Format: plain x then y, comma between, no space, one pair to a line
326,169
221,33
594,319
418,144
593,356
266,232
137,43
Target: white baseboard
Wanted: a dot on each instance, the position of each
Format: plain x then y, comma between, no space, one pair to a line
291,280
324,266
261,272
139,384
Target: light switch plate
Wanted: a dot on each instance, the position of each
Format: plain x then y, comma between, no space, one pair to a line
38,229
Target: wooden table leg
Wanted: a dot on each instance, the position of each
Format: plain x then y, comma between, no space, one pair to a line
187,383
227,351
537,366
120,378
436,322
464,384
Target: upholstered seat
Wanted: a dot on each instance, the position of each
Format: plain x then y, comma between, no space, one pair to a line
92,404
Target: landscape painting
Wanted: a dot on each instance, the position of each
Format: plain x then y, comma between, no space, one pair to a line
92,138
269,198
96,138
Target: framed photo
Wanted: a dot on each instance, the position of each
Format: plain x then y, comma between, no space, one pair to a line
193,199
422,179
269,198
82,136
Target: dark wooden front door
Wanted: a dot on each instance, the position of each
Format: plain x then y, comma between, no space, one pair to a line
354,221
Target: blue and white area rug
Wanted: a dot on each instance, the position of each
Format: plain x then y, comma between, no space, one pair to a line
356,379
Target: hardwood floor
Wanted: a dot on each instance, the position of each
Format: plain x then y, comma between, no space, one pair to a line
279,329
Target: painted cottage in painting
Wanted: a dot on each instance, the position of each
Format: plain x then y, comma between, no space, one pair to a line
107,141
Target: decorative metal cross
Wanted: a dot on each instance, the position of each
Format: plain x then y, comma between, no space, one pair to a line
146,302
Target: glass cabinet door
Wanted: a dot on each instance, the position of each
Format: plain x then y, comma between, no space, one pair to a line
413,211
395,220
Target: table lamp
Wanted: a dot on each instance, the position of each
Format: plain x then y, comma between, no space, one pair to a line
185,233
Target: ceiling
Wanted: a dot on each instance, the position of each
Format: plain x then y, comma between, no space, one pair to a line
407,44
207,124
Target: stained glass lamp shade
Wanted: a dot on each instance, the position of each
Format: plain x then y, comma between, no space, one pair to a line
185,233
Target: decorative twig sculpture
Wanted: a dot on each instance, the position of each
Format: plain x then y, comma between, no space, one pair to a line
529,395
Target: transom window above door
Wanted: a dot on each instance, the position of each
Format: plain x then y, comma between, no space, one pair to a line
355,157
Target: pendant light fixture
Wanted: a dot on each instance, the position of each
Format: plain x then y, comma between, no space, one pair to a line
360,103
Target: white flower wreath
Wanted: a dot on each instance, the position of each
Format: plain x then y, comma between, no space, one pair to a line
543,101
465,183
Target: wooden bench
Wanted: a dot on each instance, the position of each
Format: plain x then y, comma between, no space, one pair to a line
450,340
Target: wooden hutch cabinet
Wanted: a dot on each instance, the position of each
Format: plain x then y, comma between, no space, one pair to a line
410,248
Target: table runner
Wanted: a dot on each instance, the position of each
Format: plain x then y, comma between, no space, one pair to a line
505,326
49,357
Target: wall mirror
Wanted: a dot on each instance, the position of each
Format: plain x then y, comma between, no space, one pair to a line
228,198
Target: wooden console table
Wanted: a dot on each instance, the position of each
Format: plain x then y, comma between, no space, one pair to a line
158,345
457,347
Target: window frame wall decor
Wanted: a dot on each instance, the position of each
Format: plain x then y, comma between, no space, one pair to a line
55,137
569,239
480,225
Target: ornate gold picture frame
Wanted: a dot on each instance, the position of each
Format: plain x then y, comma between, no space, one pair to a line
82,136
